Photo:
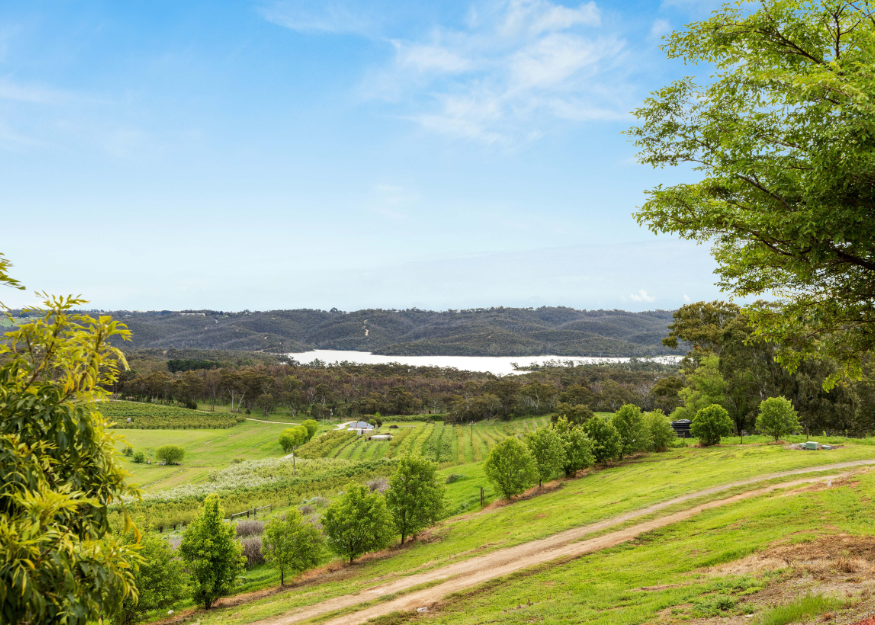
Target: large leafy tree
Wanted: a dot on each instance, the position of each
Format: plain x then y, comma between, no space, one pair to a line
783,138
291,544
358,522
415,496
548,452
60,470
510,467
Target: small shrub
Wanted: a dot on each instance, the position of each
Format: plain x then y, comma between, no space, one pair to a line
378,484
171,454
139,457
129,451
249,528
711,424
713,605
252,551
454,477
798,609
306,509
319,502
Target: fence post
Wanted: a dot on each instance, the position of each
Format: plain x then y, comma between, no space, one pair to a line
247,514
481,496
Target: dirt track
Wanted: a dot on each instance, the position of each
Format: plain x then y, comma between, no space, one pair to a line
563,545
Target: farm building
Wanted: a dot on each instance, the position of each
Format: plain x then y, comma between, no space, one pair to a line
359,427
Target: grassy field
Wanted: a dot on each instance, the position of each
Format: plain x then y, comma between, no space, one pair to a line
600,495
204,450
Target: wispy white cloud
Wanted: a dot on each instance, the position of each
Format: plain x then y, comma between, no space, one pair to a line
329,16
515,68
659,28
686,298
642,296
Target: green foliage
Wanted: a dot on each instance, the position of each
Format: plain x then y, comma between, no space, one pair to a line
777,417
577,414
634,435
293,437
159,576
170,454
661,434
711,424
291,544
358,522
211,554
312,426
510,467
163,417
415,496
798,609
781,133
139,457
547,451
605,439
577,447
705,386
60,470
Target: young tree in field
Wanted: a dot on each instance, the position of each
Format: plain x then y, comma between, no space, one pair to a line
605,439
160,578
786,191
577,447
171,454
711,424
659,429
290,438
510,467
629,424
60,563
547,451
291,544
211,553
777,417
415,496
311,426
358,522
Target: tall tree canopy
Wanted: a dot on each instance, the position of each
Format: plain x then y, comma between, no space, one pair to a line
783,135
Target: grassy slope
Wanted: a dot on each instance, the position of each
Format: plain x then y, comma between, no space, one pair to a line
204,450
598,496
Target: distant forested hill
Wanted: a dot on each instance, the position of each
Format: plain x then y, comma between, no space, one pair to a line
476,332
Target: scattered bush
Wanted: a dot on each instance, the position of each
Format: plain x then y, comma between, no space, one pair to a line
129,451
454,477
306,509
171,454
292,545
293,437
662,436
777,417
251,548
319,502
510,467
605,439
577,447
247,528
634,435
139,457
711,424
547,451
358,522
415,497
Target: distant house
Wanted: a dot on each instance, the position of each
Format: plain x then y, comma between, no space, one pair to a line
359,427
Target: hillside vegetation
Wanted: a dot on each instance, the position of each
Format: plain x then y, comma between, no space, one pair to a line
479,332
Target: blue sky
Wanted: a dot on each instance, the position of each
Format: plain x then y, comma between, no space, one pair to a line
353,154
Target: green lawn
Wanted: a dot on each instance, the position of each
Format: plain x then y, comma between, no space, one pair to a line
601,495
204,450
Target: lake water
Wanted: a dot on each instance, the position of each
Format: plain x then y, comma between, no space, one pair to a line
498,365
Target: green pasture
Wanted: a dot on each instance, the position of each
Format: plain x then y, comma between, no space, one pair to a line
204,450
601,494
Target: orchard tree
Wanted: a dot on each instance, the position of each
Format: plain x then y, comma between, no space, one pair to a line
777,417
160,578
358,522
711,424
661,434
629,424
415,496
290,438
60,562
576,445
311,426
170,454
546,448
291,545
212,555
510,467
605,439
782,137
